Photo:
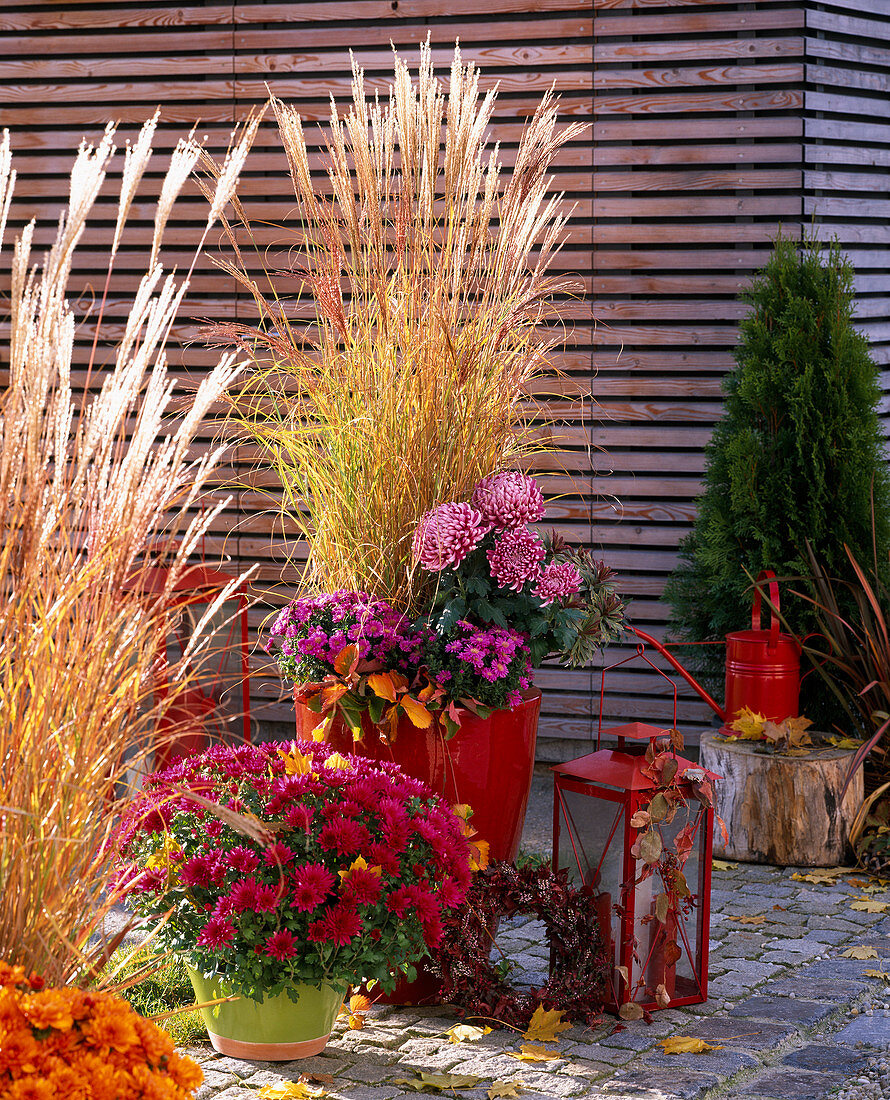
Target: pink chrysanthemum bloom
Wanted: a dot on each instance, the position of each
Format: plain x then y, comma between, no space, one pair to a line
446,535
516,558
217,932
558,581
312,884
508,500
281,945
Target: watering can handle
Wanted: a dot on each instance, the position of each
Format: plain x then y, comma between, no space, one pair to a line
767,575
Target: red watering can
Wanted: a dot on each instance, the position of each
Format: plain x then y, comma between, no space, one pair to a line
762,666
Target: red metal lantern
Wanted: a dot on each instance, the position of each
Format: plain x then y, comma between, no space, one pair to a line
215,705
595,799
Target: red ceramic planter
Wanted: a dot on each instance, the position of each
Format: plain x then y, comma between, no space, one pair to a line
488,764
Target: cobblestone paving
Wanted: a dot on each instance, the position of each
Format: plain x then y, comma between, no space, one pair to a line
794,1018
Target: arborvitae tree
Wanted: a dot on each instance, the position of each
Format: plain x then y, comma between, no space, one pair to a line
797,456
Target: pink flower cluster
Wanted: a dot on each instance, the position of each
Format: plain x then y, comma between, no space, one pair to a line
508,500
515,559
344,853
557,581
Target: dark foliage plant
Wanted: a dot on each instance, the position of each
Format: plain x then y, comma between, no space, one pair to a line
579,967
797,459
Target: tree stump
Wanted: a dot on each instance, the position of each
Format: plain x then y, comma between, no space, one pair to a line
783,810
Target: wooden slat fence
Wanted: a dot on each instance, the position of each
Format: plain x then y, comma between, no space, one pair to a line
713,124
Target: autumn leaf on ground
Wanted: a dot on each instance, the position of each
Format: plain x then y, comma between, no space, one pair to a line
507,1089
825,876
746,918
722,865
882,975
685,1044
533,1052
355,1012
466,1033
749,724
438,1082
870,905
317,1078
290,1090
545,1025
859,952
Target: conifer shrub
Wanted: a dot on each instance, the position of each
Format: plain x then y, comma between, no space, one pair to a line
797,458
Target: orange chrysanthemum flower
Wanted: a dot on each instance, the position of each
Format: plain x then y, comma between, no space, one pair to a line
69,1044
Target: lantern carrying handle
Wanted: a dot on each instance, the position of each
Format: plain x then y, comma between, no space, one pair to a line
770,576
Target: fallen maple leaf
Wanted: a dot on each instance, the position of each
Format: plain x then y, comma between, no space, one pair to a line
466,1033
746,918
685,1044
438,1082
504,1089
859,952
290,1090
881,974
870,905
722,865
748,724
533,1052
546,1024
826,876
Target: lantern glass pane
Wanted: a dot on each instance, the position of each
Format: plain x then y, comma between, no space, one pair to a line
591,842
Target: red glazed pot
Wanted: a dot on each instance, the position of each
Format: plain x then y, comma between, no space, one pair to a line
487,764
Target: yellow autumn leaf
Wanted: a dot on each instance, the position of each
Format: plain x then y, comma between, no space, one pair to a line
870,905
295,762
747,919
332,694
859,952
546,1024
438,1082
533,1052
685,1044
507,1089
748,724
337,761
360,864
722,865
844,742
417,712
290,1090
323,728
463,810
882,975
466,1033
824,876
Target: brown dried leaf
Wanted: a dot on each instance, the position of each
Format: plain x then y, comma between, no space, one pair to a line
662,997
640,820
870,905
438,1082
507,1089
650,847
630,1010
880,974
860,951
746,918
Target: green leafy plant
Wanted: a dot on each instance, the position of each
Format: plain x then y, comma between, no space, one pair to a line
428,289
796,459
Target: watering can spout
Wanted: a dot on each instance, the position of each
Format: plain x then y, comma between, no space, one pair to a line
687,676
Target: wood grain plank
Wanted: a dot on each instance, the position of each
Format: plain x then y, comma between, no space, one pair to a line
610,53
775,99
760,75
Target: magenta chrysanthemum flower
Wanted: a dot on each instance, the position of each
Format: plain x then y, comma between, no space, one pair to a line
196,871
278,854
243,859
342,924
515,559
362,885
398,901
446,535
281,945
244,895
312,884
266,899
508,500
217,932
557,581
344,836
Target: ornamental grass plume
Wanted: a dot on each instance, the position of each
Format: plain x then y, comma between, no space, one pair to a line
428,273
87,485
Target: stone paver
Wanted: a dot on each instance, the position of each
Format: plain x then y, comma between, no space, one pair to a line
795,1020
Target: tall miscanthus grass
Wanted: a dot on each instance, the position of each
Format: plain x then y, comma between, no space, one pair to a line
87,484
428,273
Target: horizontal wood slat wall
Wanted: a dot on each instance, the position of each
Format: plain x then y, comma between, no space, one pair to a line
714,124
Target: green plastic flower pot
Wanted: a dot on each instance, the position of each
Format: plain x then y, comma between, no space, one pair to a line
272,1030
